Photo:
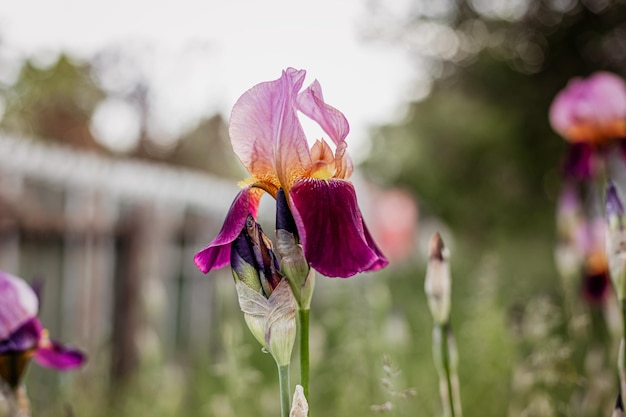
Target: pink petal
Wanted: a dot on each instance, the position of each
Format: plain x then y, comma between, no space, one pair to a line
265,131
217,254
54,355
335,239
18,304
595,101
311,103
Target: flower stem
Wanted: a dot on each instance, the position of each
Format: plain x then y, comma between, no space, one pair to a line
621,361
445,357
304,350
17,400
285,401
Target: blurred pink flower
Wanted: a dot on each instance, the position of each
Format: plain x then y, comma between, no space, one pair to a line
22,335
268,138
591,110
395,222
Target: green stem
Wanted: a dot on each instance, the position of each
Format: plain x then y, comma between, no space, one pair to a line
621,362
445,356
304,350
285,401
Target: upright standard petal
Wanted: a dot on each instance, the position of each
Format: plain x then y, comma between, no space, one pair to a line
332,121
265,131
217,253
18,304
335,239
591,110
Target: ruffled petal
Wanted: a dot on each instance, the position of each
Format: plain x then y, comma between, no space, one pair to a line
265,131
334,237
217,254
332,121
18,304
24,338
54,355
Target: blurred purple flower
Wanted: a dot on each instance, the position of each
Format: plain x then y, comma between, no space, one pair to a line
22,335
268,138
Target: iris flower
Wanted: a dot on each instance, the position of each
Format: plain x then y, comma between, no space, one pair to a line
269,140
590,114
22,336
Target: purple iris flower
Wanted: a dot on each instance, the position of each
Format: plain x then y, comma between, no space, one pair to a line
268,138
590,114
22,336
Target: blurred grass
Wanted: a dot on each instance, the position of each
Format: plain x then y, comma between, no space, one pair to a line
499,293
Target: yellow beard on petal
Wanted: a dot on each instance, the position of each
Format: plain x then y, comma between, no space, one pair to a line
265,185
321,171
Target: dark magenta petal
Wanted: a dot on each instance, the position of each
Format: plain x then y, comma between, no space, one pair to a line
54,355
334,237
24,338
382,261
579,162
217,254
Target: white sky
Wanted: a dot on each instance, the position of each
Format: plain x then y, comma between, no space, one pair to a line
200,56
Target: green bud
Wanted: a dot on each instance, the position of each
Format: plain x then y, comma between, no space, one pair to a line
265,298
294,265
271,320
438,284
253,261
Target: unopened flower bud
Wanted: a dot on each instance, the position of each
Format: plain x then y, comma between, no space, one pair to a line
293,264
616,240
264,297
299,405
271,320
438,284
252,259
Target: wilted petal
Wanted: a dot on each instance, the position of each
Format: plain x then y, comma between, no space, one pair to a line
18,304
217,254
24,338
54,355
311,103
335,240
265,131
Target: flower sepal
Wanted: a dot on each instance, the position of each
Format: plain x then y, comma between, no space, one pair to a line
271,320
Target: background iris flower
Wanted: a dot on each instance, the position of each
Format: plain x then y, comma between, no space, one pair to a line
22,336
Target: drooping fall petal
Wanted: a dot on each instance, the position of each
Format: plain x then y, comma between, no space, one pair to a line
265,131
54,355
217,253
18,304
334,237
